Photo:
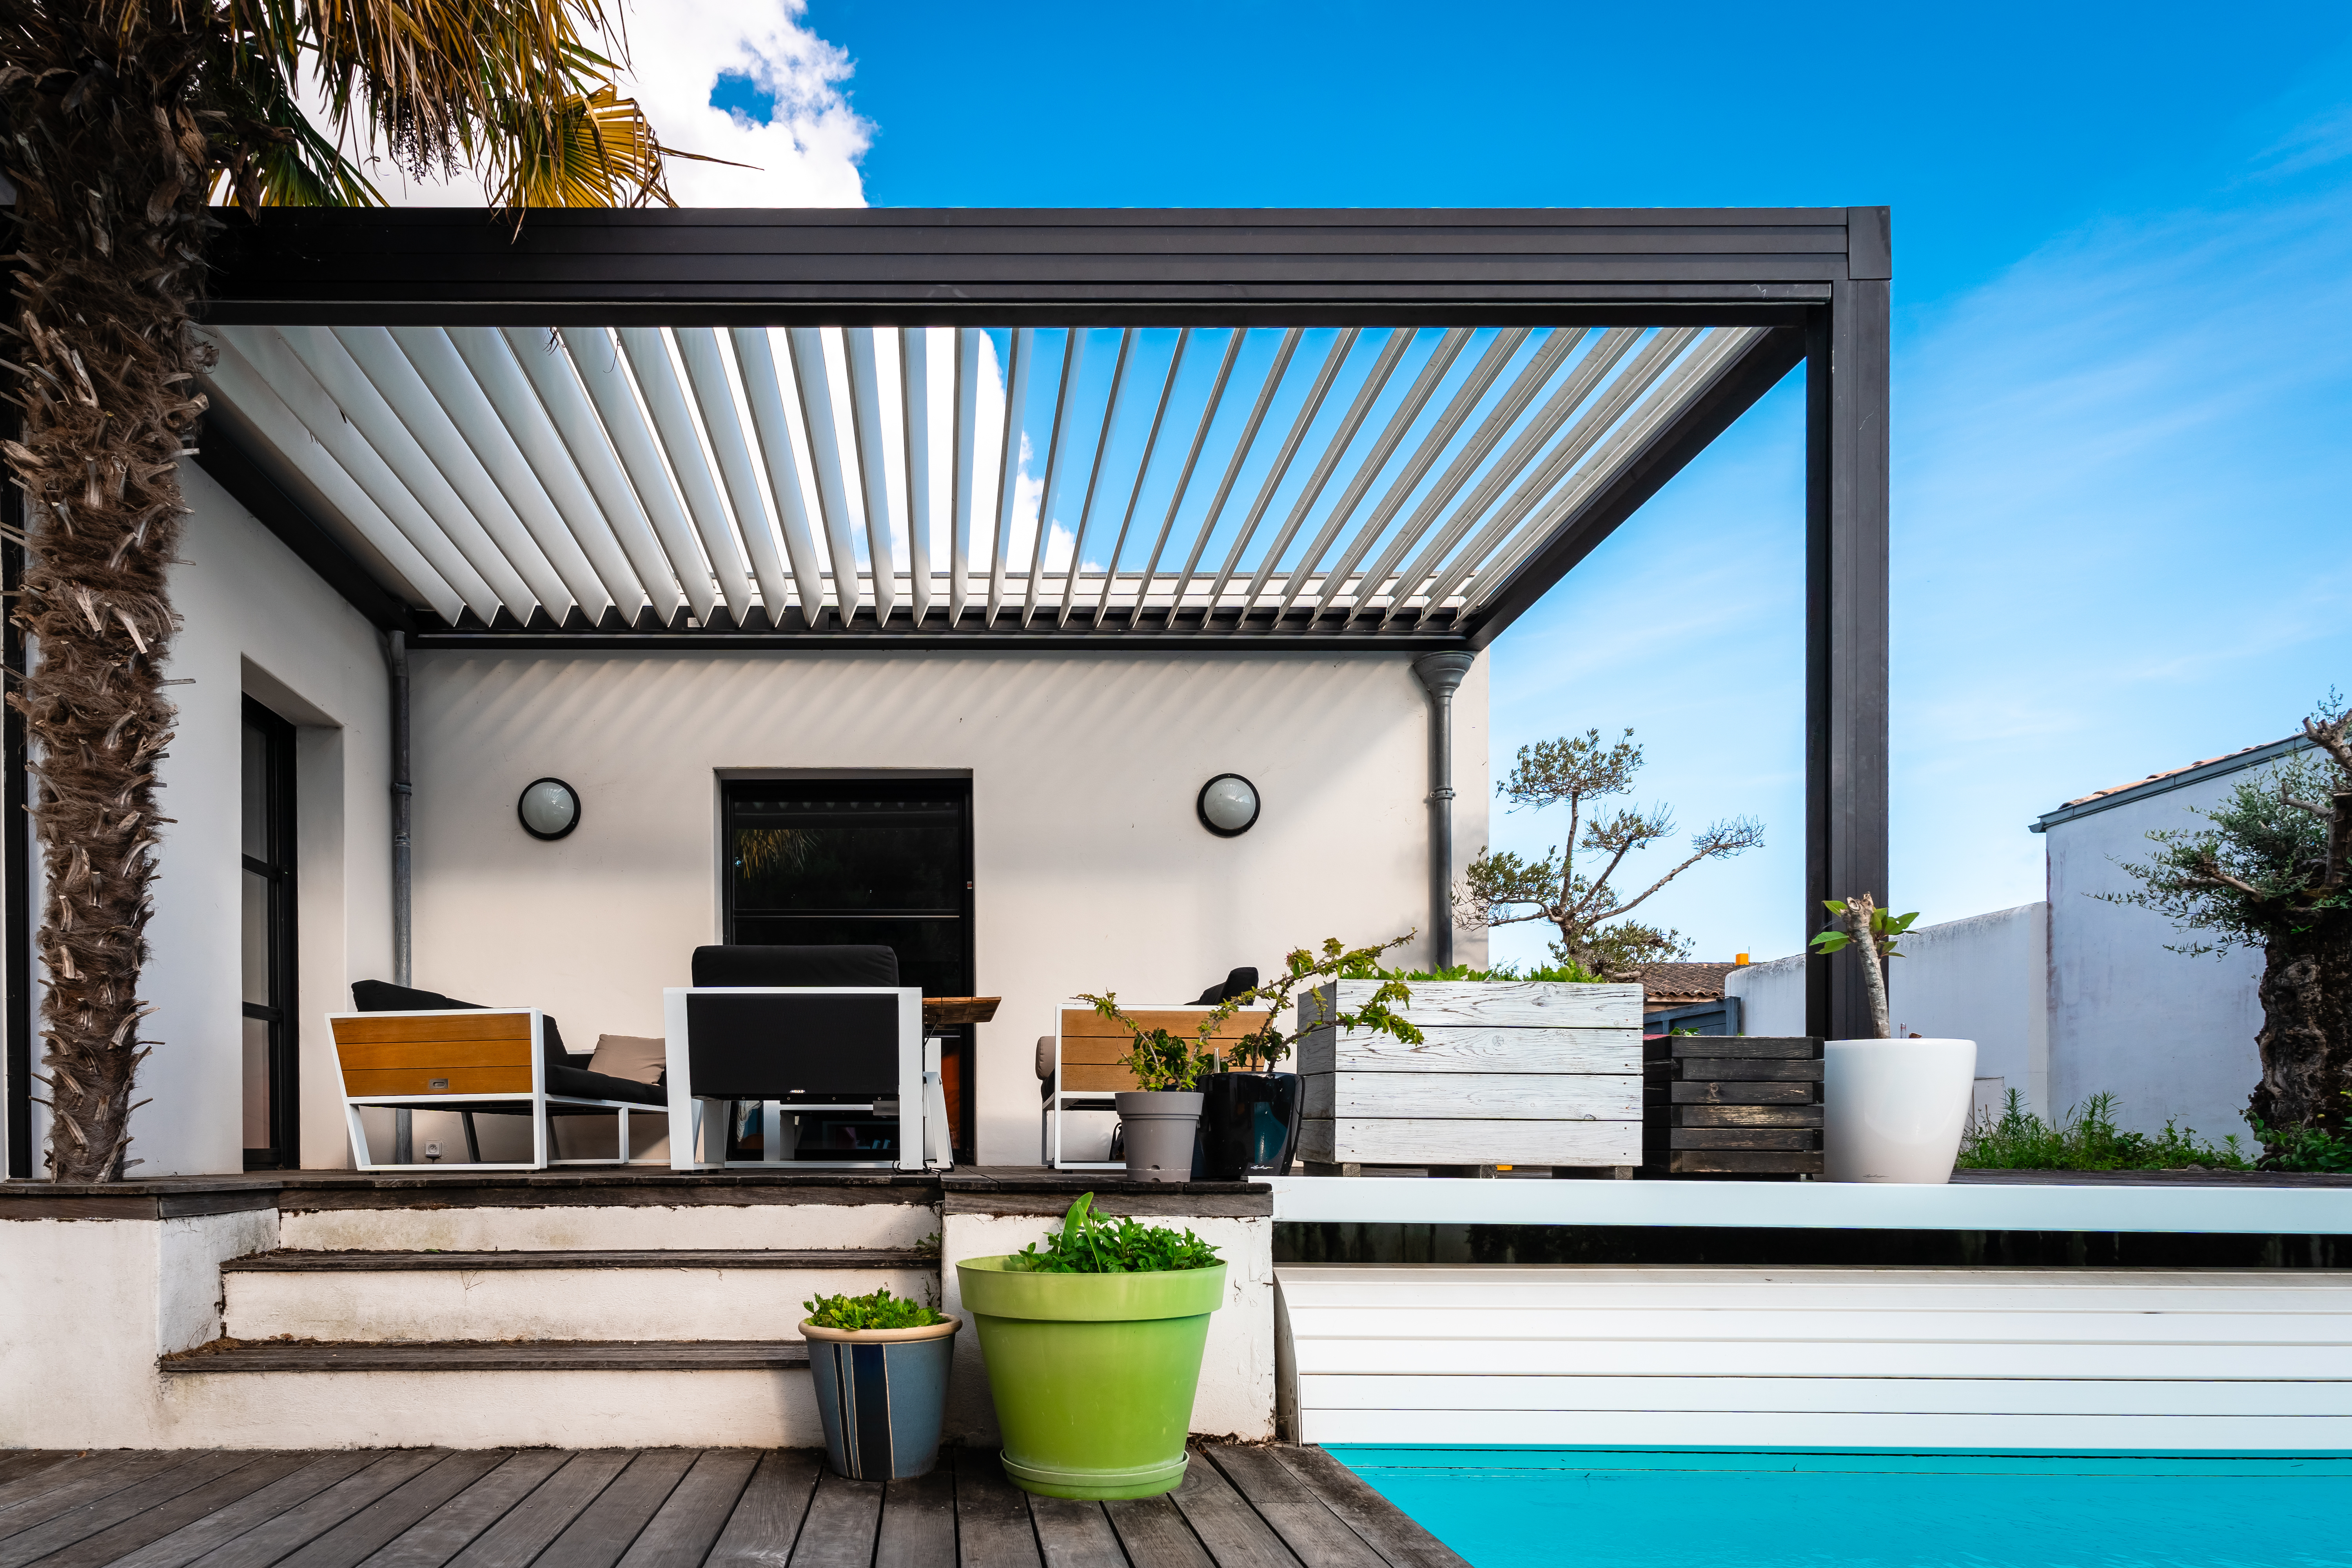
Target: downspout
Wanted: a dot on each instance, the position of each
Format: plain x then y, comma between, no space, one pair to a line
404,1138
1440,674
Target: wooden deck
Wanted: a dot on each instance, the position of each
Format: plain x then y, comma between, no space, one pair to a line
674,1508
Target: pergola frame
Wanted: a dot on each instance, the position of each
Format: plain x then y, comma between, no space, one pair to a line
1817,276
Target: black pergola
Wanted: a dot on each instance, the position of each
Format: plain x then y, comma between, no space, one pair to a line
1809,286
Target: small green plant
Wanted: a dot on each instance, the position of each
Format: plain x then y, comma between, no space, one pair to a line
879,1311
1161,1062
1270,1042
1089,1244
2086,1139
2302,1148
1857,916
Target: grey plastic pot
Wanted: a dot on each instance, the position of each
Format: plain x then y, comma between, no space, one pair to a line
1159,1125
880,1393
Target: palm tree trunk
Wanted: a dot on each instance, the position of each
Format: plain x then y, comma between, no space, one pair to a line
109,166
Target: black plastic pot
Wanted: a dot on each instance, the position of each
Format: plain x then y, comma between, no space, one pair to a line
1249,1124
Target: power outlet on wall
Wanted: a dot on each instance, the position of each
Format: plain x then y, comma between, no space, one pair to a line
433,1150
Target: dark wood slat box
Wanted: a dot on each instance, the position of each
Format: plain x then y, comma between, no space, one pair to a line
1725,1105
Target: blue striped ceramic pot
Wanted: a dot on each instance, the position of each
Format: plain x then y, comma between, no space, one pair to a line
880,1393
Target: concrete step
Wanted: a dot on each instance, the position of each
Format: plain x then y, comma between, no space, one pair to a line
462,1222
635,1295
751,1394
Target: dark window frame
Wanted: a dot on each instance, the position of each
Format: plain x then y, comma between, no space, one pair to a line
281,1013
961,1042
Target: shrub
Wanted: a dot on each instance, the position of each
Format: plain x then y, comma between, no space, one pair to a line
2086,1139
879,1311
1088,1244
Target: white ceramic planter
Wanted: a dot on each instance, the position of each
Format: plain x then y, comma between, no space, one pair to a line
1893,1109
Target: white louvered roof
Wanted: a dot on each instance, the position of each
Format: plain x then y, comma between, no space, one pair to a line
1108,478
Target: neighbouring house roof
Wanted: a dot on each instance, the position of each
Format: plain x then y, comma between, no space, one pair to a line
2171,779
1678,985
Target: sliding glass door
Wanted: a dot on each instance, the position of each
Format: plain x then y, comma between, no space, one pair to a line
272,1130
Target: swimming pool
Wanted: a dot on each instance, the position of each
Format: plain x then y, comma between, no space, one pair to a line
1688,1507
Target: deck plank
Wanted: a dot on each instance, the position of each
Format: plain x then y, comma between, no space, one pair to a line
842,1521
456,1524
1072,1534
1231,1531
766,1523
110,1545
1155,1535
88,1478
1384,1526
609,1526
28,1462
190,1541
993,1525
919,1523
1316,1535
531,1525
689,1523
62,1529
359,1537
308,1520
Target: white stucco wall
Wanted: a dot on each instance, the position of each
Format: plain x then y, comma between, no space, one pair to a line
1985,978
1091,870
1771,996
2169,1035
257,621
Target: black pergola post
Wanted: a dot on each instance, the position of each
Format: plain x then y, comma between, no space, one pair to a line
1847,386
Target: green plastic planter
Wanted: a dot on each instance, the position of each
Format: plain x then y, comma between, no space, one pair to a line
1093,1374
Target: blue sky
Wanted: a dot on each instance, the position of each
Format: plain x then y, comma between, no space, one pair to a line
2123,352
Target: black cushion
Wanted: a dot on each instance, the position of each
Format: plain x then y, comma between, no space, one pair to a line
1237,982
812,965
585,1085
383,997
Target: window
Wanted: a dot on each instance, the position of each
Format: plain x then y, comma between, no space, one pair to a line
887,860
272,1129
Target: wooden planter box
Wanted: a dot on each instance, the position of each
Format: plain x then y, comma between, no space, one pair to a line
1508,1073
1732,1105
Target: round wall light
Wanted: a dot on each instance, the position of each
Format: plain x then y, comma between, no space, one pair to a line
1228,806
549,808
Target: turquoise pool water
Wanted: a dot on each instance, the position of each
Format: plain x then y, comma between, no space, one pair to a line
1616,1507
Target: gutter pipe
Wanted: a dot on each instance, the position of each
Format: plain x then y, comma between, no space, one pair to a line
1440,674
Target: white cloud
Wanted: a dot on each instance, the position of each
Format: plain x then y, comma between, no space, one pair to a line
804,156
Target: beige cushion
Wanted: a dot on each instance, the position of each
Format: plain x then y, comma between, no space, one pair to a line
637,1058
1044,1056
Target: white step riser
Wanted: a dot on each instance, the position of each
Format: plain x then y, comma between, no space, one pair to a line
706,1228
496,1409
545,1304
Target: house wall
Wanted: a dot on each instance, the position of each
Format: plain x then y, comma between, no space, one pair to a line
2169,1035
1771,996
1091,869
257,621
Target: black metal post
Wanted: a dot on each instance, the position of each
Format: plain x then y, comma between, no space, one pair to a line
395,646
1441,674
1846,622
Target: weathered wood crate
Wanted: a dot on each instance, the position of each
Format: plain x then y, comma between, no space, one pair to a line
1508,1073
1731,1105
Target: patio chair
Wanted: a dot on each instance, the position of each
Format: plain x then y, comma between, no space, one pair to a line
818,1037
407,1049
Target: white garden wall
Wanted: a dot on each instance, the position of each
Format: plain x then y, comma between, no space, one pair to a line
1091,869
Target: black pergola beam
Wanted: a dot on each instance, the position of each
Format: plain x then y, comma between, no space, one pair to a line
942,267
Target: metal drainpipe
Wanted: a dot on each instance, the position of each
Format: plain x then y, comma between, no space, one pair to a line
1441,674
403,1127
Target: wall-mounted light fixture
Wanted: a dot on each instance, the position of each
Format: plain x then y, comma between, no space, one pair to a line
1228,806
549,808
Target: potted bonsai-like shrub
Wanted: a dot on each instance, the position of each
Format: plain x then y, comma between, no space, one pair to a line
1161,1115
880,1363
1249,1126
1093,1347
1892,1110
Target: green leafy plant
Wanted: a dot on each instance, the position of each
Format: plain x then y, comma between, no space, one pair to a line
1270,1042
1161,1062
879,1311
1860,916
2086,1139
1574,973
2310,1147
1088,1244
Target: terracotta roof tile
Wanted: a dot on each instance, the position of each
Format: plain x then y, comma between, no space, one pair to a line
1678,985
2168,773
